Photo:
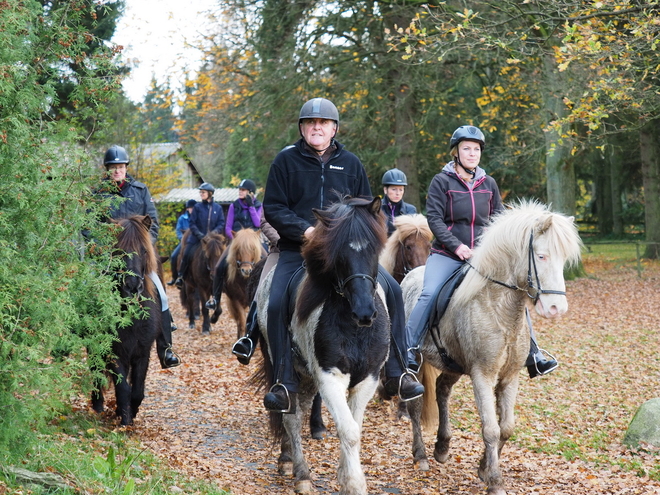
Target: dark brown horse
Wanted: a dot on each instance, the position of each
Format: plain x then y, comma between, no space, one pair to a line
244,251
132,349
408,246
199,277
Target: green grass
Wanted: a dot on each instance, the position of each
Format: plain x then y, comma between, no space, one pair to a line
95,459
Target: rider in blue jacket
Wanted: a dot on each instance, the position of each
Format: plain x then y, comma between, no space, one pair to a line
206,217
182,226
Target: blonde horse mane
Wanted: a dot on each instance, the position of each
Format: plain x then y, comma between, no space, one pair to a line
245,246
506,241
406,225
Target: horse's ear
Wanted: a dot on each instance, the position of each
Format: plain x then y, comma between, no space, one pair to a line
146,221
233,234
544,225
322,216
375,205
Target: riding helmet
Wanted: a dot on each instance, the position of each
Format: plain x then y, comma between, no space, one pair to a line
191,203
115,154
249,185
319,108
394,177
467,133
207,187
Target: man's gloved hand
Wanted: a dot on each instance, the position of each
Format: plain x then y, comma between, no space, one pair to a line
248,200
199,235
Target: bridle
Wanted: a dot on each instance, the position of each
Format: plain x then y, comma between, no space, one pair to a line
402,252
533,291
342,283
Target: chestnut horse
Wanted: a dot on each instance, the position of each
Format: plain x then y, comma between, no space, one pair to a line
408,247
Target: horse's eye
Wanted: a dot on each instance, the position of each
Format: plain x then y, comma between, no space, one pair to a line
541,257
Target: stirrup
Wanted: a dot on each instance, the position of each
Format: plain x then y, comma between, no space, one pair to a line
288,398
418,350
246,355
211,303
535,365
414,377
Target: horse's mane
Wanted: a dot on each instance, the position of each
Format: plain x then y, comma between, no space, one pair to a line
347,220
406,226
134,238
246,246
505,243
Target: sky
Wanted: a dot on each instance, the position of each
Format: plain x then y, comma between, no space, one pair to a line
154,36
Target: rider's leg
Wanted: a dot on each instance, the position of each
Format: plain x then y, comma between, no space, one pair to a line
280,398
399,380
537,364
218,282
185,262
174,258
244,347
168,358
438,270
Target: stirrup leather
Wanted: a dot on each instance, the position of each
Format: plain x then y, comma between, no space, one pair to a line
544,352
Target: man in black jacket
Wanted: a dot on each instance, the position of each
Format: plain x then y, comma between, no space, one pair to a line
312,173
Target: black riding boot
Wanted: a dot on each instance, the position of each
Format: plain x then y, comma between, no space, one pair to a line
537,363
218,284
168,358
244,347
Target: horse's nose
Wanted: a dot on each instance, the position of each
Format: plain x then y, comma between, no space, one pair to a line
246,272
365,320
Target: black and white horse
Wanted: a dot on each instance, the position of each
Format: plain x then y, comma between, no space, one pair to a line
341,330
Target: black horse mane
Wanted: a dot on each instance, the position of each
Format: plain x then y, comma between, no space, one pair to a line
348,220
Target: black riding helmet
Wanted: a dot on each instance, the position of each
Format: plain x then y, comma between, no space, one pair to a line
467,133
249,185
207,187
115,154
394,177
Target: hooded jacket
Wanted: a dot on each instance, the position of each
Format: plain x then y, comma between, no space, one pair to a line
207,216
457,211
299,181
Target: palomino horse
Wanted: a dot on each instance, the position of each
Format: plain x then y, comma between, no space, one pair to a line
243,252
341,331
408,246
132,350
200,277
485,330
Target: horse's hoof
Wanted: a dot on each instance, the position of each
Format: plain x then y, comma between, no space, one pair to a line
441,457
206,332
285,468
304,486
319,433
191,326
495,491
422,465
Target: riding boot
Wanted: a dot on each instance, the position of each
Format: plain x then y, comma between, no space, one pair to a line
244,347
537,364
168,358
218,284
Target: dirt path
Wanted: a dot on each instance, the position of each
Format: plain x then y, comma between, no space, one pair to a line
207,420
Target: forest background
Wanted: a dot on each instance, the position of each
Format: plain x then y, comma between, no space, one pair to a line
567,93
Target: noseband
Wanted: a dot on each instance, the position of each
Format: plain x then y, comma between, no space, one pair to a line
342,283
533,291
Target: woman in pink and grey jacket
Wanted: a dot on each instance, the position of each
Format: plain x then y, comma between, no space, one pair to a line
460,202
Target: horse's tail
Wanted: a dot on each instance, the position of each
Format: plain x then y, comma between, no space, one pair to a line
263,379
427,376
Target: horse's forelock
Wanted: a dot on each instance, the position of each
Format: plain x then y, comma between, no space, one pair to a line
135,239
350,221
245,246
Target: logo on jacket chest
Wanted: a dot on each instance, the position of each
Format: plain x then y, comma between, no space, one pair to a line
335,167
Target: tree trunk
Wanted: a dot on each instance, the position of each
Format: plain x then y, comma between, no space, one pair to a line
558,162
650,156
616,184
404,137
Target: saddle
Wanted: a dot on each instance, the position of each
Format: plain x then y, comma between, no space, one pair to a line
439,303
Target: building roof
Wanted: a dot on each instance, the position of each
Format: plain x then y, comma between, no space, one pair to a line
224,195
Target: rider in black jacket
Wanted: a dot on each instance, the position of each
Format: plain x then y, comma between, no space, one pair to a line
312,173
394,186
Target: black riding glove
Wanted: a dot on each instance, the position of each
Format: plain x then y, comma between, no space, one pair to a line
248,201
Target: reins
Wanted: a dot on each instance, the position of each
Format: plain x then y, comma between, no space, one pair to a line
533,291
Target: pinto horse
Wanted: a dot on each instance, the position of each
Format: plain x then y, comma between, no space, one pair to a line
198,282
408,246
341,331
243,252
517,266
132,349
